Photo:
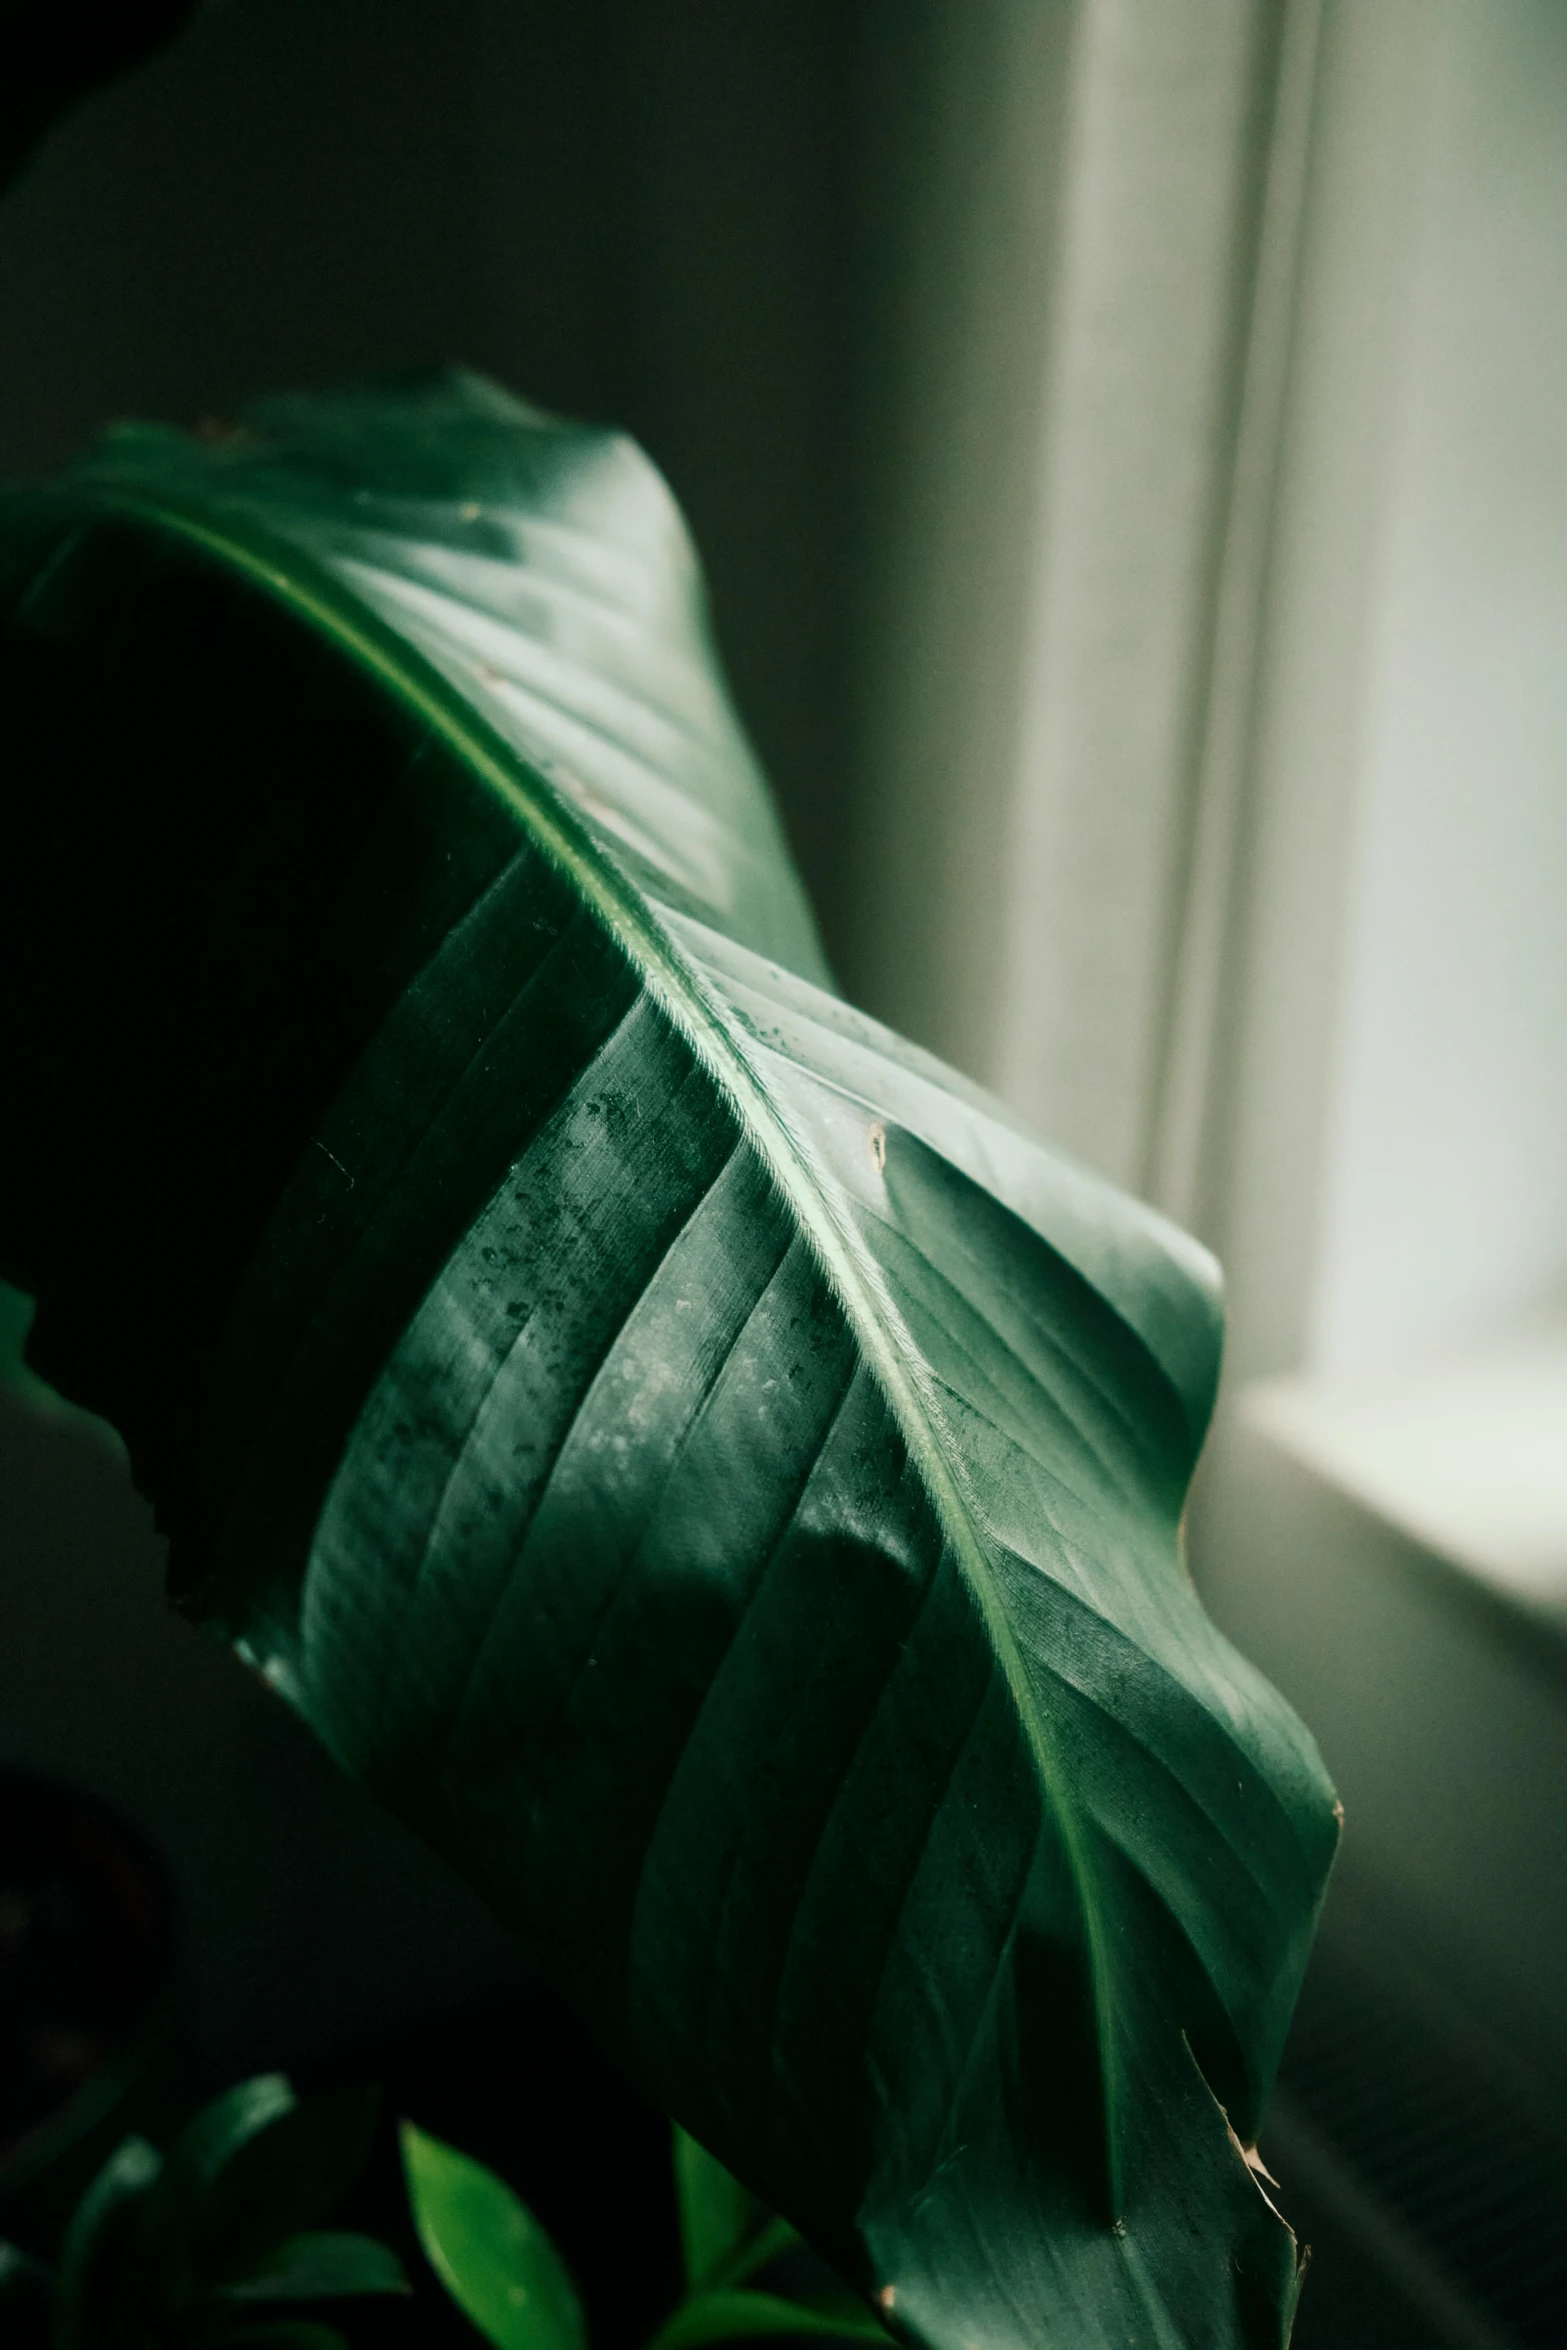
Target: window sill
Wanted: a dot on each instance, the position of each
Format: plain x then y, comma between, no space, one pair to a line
1464,1453
1391,1550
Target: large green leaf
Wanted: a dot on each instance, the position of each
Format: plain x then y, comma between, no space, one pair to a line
690,1452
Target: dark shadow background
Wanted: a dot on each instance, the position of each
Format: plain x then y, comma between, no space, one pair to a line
660,214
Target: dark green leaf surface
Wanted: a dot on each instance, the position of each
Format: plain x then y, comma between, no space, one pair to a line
194,2185
729,2316
290,2333
686,1449
320,2265
251,2170
213,2139
488,2249
287,2172
98,2301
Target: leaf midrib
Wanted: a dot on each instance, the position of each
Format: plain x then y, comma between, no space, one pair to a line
718,1037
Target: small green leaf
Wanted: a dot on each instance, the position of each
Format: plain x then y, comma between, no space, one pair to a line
180,2200
283,2179
728,2316
724,2233
101,2263
317,2266
488,2250
212,2138
247,2173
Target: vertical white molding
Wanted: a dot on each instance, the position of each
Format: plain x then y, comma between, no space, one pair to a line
1178,1174
964,182
1445,1209
1294,813
1134,441
1128,545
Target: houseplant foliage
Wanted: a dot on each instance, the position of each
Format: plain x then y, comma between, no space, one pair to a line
679,1445
214,2244
500,2267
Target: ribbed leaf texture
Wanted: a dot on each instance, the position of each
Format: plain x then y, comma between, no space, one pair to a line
681,1446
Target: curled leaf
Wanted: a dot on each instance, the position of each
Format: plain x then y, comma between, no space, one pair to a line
691,1453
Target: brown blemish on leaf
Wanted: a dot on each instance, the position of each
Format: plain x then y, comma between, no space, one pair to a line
879,1147
1259,2171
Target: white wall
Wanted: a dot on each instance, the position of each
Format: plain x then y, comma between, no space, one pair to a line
1074,222
1281,843
1214,744
1445,1181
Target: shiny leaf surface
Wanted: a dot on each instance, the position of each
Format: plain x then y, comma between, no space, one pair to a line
683,1447
488,2249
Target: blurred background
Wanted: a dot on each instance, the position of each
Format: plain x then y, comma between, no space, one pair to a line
1128,444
